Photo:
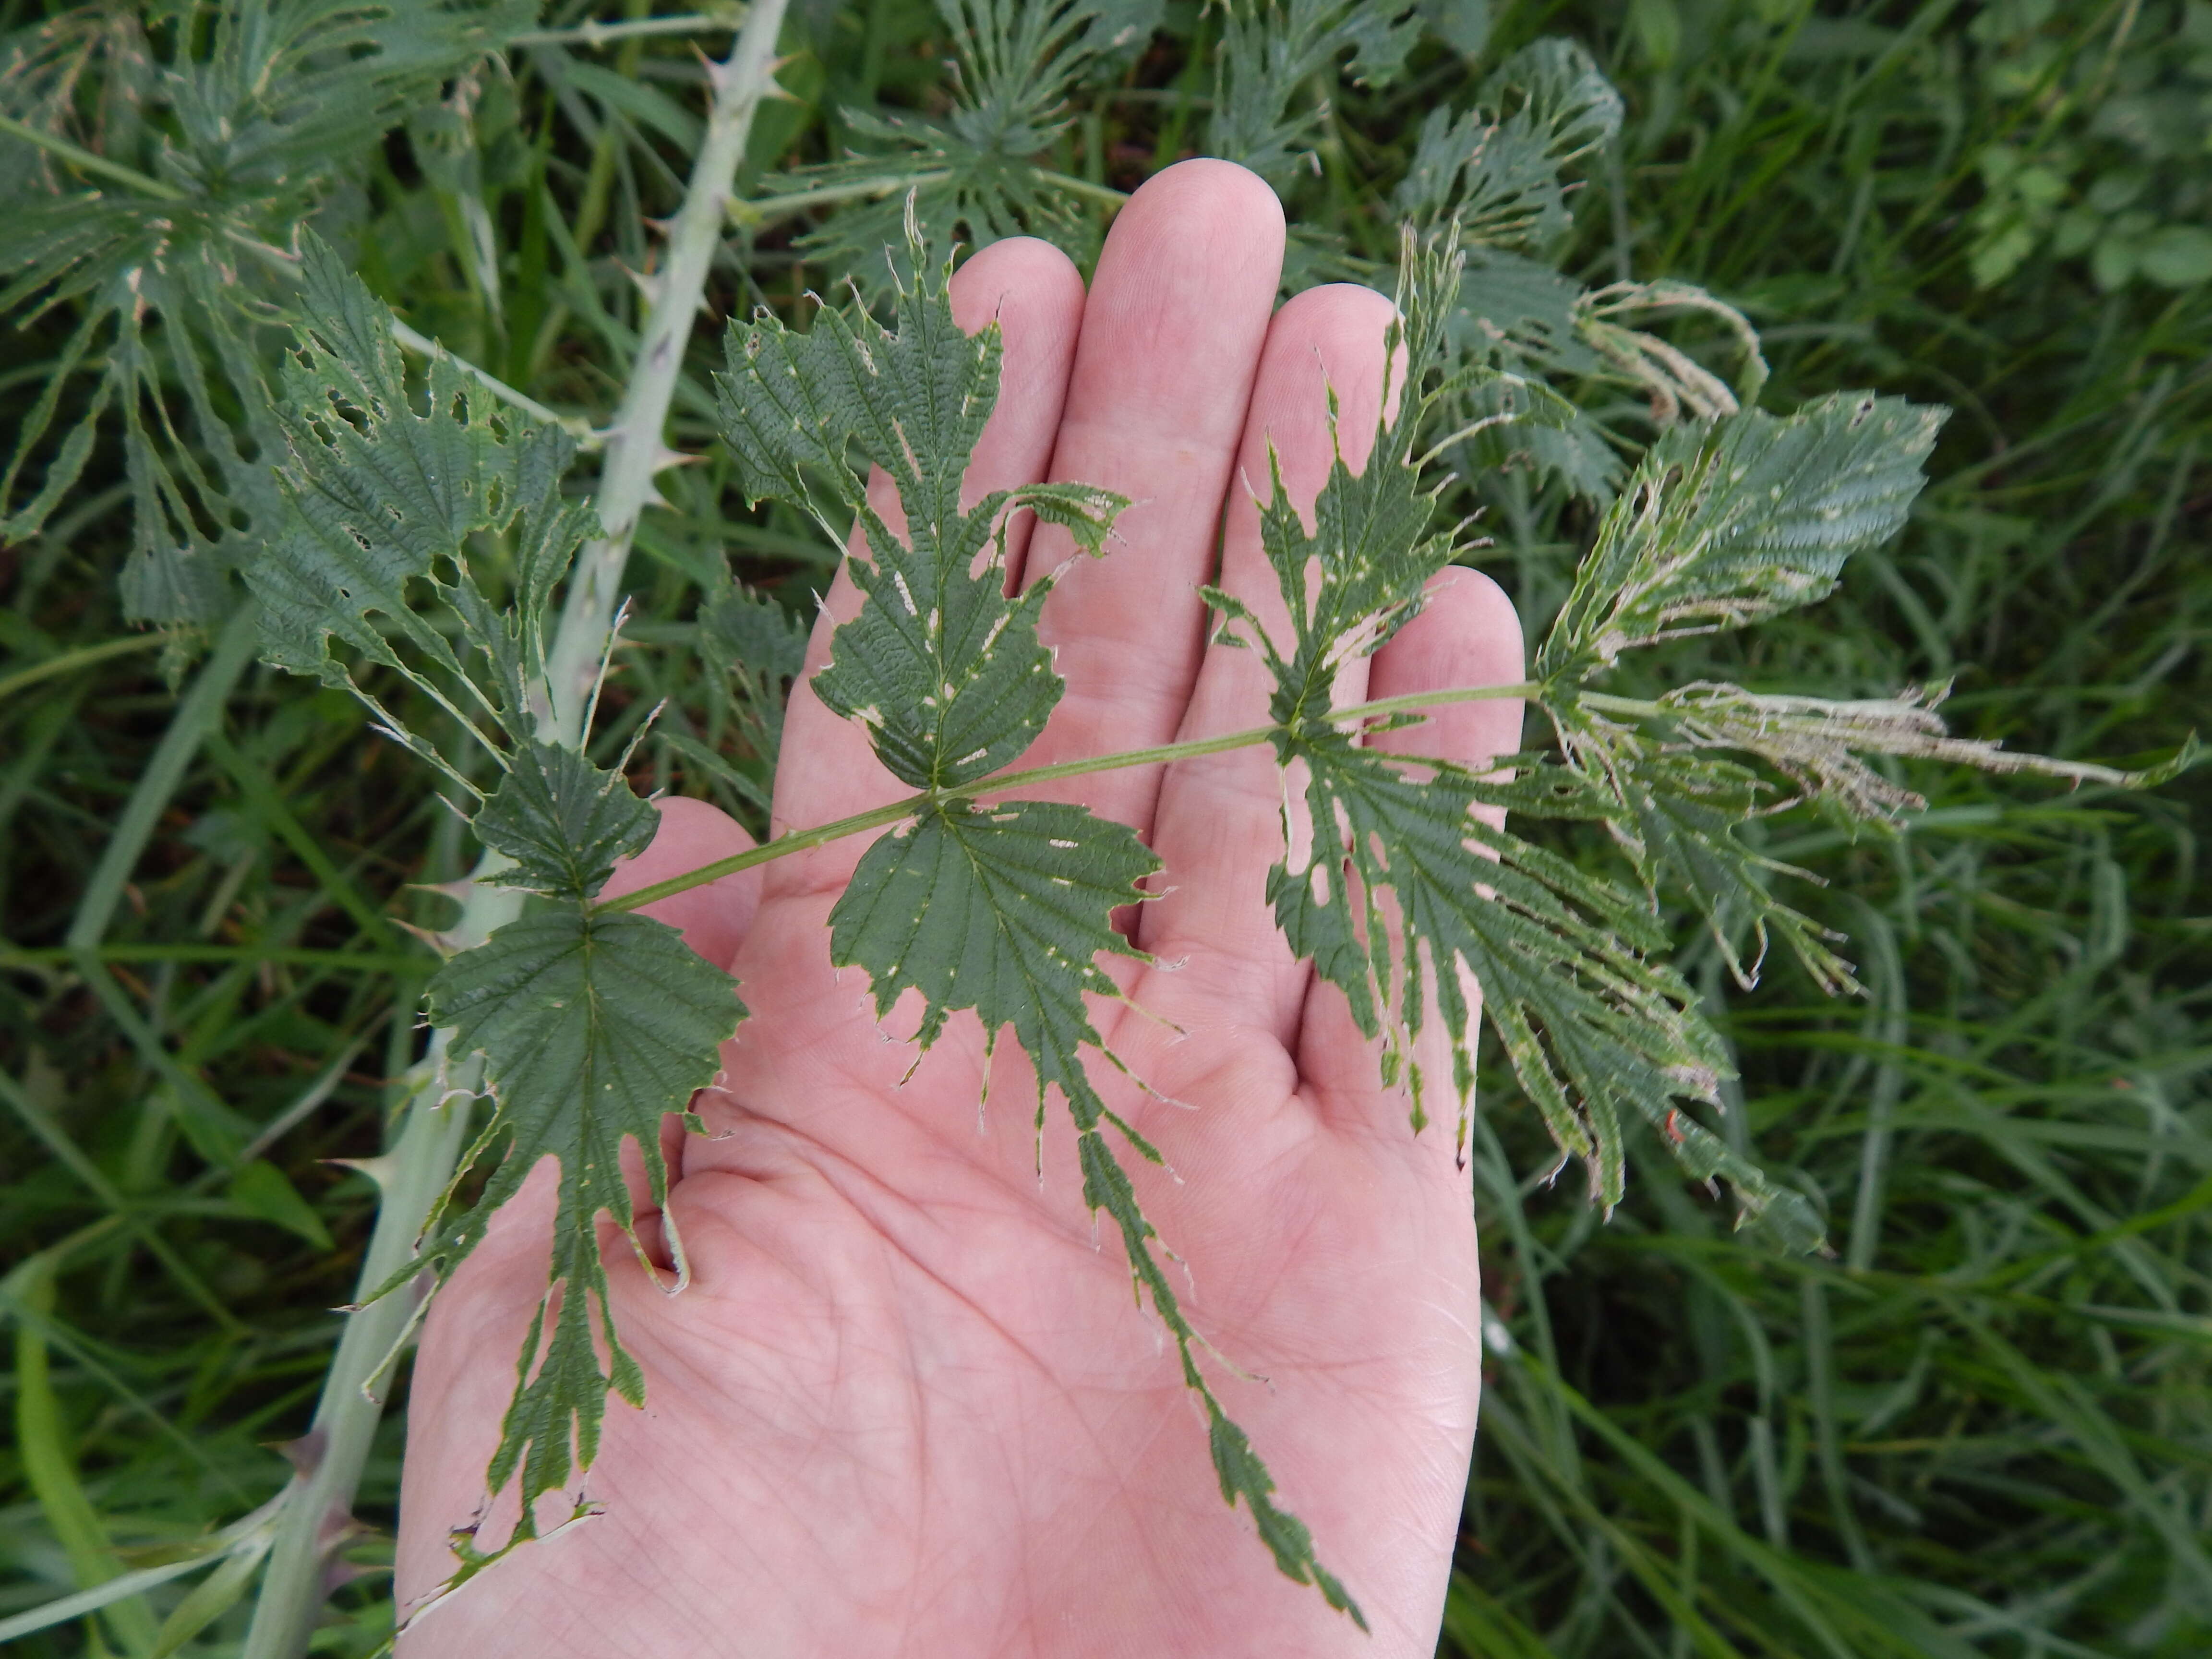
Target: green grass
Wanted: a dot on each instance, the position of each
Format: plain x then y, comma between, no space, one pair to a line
1983,1426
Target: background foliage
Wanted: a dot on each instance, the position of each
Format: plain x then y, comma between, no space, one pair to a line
1980,1428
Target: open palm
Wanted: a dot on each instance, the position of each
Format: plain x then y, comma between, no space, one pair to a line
907,1403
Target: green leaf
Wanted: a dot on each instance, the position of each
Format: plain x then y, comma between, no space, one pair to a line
945,671
759,647
1407,901
753,635
983,170
248,123
563,821
999,908
390,499
1272,55
593,1028
1678,815
1002,909
1498,168
1005,910
2177,256
1724,524
384,492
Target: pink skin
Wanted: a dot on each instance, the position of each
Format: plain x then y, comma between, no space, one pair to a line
907,1405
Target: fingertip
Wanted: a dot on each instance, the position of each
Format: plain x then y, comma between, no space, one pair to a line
1467,624
711,918
1326,341
1234,197
1021,281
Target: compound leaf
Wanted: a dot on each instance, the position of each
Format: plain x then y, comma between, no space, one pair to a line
981,171
1408,901
593,1026
1728,522
1271,55
384,489
1003,909
1498,168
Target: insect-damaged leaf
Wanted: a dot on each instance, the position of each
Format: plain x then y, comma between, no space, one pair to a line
947,671
593,1027
1005,910
564,821
1408,901
1725,523
1498,168
383,485
385,493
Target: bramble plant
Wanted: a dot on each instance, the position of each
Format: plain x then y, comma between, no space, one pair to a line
421,543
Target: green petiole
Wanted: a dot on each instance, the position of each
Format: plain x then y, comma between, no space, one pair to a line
799,840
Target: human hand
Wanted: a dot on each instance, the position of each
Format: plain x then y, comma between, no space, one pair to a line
906,1403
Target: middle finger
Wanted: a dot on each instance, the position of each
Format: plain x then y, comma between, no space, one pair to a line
1172,333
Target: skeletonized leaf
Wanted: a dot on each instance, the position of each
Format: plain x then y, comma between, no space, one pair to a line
1678,815
1818,742
1596,1027
593,1027
1725,523
1408,902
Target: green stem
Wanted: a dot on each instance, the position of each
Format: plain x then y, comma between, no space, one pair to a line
761,210
364,962
799,840
1105,195
634,443
318,1507
86,162
419,1163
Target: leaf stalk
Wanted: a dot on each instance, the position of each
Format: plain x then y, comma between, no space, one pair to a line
799,841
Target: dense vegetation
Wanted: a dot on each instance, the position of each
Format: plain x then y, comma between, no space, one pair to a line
1980,1426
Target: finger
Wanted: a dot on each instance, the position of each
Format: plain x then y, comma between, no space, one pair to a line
1468,634
1219,824
828,770
1171,339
